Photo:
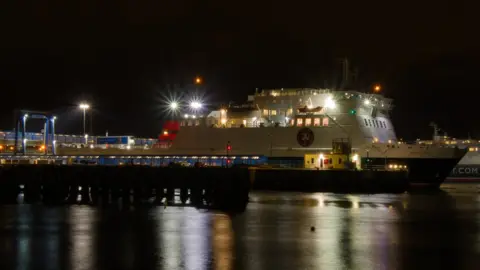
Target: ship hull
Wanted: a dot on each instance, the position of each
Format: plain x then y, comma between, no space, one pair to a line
428,173
464,173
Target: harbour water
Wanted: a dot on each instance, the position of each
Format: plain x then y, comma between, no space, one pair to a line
439,230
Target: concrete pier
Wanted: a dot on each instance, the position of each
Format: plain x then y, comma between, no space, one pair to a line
219,188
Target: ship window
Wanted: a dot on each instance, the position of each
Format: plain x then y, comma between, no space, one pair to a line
316,122
273,112
281,112
182,123
244,122
376,123
384,124
380,124
370,122
308,122
292,122
325,121
197,122
289,111
299,122
366,123
265,112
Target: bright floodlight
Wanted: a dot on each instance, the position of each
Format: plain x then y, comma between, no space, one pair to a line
366,102
329,103
174,105
84,106
195,105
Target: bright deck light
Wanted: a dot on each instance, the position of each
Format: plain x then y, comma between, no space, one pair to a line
173,105
329,103
195,105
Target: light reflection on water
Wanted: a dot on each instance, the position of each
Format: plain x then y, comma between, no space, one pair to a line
433,231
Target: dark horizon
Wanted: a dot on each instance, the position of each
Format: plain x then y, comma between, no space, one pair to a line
122,58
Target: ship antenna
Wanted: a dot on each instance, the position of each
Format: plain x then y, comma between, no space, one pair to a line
435,130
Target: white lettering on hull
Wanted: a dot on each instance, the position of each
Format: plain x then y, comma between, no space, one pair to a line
465,171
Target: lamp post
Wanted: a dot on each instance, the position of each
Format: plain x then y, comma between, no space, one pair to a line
84,107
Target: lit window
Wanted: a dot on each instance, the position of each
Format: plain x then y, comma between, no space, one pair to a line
273,112
471,149
292,122
289,112
325,121
299,122
244,122
265,112
197,122
308,122
316,122
182,123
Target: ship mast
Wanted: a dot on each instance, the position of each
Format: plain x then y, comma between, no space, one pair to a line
345,73
436,136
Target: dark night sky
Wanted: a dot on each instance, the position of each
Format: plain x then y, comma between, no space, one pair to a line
121,56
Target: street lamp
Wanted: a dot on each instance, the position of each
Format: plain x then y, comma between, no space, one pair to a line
84,107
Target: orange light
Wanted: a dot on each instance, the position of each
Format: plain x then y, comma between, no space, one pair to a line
1,147
42,147
198,80
377,88
165,133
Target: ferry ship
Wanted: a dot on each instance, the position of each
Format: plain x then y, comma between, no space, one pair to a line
311,128
468,169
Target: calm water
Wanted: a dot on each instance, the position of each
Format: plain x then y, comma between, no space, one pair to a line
408,231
